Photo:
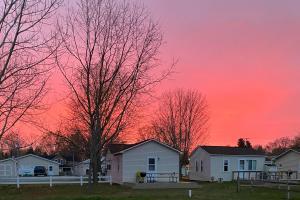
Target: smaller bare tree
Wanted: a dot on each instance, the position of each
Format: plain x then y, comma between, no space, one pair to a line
181,121
13,144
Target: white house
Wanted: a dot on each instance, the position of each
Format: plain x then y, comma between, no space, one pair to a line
289,160
209,163
158,160
82,168
17,166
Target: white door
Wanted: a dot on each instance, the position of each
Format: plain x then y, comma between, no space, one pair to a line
50,170
152,169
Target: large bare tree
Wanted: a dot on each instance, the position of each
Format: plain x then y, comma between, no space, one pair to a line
25,49
181,120
110,60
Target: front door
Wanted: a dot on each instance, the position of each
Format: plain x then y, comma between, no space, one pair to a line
152,169
50,170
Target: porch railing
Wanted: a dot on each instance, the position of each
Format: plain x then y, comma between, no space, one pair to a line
162,177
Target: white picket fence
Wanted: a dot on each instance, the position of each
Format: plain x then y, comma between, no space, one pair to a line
51,180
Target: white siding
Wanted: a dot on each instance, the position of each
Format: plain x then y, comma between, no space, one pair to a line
136,159
213,165
289,161
198,156
7,168
217,165
32,161
116,167
81,169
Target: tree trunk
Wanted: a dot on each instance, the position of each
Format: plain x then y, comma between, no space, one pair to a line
180,170
95,170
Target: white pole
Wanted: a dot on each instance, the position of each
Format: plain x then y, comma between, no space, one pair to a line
18,182
110,180
81,183
190,193
50,181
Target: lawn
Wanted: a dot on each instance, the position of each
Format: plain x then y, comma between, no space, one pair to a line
209,191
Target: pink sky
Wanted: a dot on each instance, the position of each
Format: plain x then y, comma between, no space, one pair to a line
244,55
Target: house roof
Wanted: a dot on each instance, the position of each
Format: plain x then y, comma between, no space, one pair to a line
226,150
121,148
32,155
287,151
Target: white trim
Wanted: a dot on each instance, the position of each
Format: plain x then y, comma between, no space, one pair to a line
239,164
156,164
7,159
145,142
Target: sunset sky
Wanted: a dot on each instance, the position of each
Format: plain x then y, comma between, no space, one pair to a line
244,55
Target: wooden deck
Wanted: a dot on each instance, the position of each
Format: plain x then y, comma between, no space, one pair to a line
161,185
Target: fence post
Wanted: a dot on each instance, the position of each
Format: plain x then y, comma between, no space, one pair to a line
288,190
238,184
81,183
110,180
50,181
18,182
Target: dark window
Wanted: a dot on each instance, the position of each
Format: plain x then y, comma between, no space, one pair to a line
196,166
201,166
108,167
50,168
151,164
225,165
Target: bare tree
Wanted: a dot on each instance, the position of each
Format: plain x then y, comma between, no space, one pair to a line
24,58
181,121
279,145
110,56
13,144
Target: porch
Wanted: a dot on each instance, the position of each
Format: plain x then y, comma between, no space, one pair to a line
143,177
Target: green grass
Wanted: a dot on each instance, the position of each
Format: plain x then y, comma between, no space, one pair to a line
208,191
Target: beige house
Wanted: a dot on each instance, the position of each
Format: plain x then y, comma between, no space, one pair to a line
212,163
26,164
157,159
288,161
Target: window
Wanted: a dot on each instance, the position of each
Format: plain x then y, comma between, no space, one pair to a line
151,164
248,165
225,165
108,167
196,166
201,165
242,165
50,168
5,170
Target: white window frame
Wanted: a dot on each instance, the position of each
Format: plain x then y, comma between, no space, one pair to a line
155,164
246,164
228,164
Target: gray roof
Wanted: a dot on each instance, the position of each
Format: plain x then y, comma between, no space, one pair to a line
226,150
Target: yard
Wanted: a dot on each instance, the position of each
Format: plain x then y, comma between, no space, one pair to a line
209,191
